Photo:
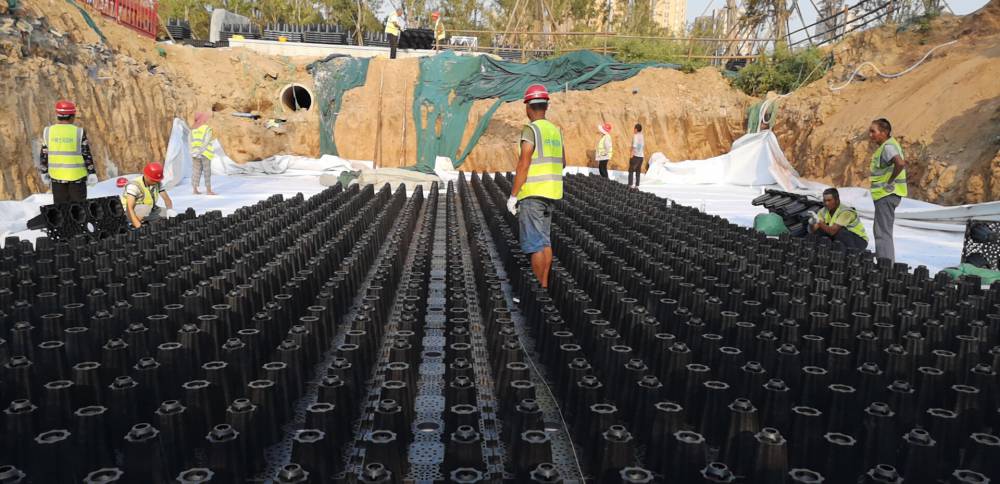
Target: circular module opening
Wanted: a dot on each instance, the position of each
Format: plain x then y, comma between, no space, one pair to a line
296,97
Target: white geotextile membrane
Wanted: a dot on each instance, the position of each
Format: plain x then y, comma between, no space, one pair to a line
925,234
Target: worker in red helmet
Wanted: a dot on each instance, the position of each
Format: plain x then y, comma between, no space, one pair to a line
537,182
439,33
65,162
140,196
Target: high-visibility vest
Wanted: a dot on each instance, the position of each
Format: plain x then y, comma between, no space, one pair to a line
854,226
201,142
604,148
881,174
149,193
545,172
391,26
65,145
439,33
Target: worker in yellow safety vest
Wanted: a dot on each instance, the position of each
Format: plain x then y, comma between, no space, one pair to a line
393,28
202,153
439,33
839,222
537,181
140,196
604,149
65,161
888,179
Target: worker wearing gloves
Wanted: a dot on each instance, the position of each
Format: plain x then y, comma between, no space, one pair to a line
393,28
604,149
439,34
202,153
838,222
65,162
140,195
888,178
537,182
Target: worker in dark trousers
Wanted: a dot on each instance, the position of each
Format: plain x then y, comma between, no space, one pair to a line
838,222
393,28
65,162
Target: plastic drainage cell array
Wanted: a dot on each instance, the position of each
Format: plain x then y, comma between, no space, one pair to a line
705,352
363,336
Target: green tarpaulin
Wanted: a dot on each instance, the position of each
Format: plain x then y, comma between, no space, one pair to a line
450,83
333,78
986,275
770,224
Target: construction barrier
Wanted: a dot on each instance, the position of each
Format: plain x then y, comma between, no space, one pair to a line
139,15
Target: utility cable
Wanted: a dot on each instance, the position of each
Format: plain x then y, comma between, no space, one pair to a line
889,76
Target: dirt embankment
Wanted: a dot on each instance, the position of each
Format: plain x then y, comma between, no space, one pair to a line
946,112
686,116
127,92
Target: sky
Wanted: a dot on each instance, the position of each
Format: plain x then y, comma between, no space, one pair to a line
696,7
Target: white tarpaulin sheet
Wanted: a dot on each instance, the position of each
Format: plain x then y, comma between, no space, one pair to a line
754,160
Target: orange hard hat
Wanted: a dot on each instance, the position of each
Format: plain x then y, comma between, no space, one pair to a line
435,14
65,108
153,171
536,93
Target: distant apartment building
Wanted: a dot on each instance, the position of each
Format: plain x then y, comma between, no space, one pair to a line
670,15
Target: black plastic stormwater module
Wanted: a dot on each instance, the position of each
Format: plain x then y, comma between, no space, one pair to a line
681,345
367,336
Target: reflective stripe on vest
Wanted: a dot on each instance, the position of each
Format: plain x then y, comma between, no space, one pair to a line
855,227
604,149
149,194
65,145
390,25
545,172
880,174
201,142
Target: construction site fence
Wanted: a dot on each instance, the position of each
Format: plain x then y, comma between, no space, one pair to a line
524,46
139,15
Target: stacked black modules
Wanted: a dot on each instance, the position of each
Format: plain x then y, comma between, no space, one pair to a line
366,336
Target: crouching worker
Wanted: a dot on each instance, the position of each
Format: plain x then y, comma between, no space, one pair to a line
839,223
140,195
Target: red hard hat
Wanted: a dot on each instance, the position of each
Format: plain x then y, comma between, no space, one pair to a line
607,127
536,93
153,171
65,108
435,15
121,181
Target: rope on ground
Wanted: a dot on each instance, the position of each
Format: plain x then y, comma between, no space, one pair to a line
889,76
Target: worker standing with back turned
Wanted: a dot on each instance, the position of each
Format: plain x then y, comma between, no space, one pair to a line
635,162
65,161
604,148
393,28
202,153
537,181
888,178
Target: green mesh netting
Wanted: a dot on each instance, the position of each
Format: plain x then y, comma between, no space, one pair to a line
770,224
87,19
450,83
334,77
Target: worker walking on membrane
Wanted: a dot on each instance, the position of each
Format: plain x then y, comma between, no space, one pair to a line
838,222
537,181
202,153
65,161
393,28
140,195
888,184
604,149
